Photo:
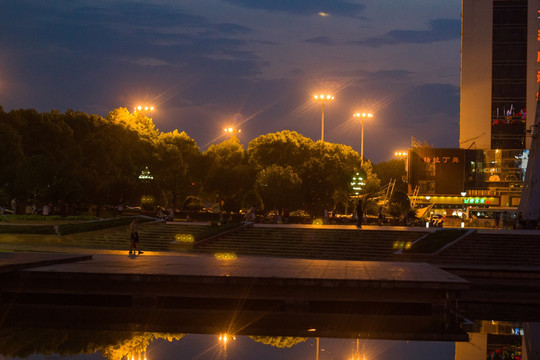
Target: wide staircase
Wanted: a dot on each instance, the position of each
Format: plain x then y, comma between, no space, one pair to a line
154,236
336,244
496,248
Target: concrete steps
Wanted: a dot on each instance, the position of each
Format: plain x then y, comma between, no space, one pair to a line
342,244
156,236
494,249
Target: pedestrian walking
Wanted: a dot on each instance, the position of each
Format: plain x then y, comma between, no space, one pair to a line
359,214
134,229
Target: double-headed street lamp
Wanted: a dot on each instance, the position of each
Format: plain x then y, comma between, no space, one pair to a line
362,116
322,98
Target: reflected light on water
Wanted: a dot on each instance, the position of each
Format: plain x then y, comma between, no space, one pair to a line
225,256
225,338
139,357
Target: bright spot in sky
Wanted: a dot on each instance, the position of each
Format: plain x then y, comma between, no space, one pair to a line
323,14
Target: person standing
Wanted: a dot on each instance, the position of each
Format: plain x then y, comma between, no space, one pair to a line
359,214
120,208
134,229
14,205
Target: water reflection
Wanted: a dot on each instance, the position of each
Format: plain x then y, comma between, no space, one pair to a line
39,344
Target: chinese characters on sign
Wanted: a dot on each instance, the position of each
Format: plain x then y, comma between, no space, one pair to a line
475,201
443,160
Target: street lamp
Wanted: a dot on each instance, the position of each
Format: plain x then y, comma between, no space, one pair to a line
231,130
322,98
143,109
401,154
362,116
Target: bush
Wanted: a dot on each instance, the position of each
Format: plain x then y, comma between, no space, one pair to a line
65,229
28,229
12,218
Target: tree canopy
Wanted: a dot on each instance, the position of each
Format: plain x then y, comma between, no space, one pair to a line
93,161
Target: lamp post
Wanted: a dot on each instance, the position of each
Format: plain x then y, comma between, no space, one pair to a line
322,98
362,116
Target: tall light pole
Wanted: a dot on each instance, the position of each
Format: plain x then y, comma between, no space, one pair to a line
322,98
362,116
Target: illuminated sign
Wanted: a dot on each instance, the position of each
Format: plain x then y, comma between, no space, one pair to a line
476,200
441,160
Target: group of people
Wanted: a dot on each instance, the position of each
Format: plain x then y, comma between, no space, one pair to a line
167,216
29,209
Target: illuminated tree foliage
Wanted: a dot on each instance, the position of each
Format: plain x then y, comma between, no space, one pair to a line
285,148
279,341
135,345
89,161
114,345
228,175
176,159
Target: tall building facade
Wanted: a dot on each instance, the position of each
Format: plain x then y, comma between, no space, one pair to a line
499,73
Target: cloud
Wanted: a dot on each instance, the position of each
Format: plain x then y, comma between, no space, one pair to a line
426,101
321,40
439,30
304,7
148,61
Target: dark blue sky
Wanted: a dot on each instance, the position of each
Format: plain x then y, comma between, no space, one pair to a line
207,64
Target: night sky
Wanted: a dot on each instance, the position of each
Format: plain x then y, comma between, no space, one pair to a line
250,64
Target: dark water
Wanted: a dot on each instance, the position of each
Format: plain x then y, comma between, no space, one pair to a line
44,344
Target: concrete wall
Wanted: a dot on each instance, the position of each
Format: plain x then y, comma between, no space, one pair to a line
476,55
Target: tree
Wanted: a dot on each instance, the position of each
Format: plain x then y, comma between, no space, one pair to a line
11,154
399,204
372,189
279,341
279,187
137,122
176,155
285,148
228,174
339,164
393,169
34,174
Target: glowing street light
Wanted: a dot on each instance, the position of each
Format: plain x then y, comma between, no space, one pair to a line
143,108
362,116
231,130
322,98
401,154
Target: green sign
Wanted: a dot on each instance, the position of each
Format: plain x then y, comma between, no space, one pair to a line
474,200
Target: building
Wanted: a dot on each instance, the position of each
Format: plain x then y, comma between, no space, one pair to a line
493,340
499,73
453,179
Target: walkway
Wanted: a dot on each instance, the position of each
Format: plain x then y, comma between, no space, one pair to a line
244,295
